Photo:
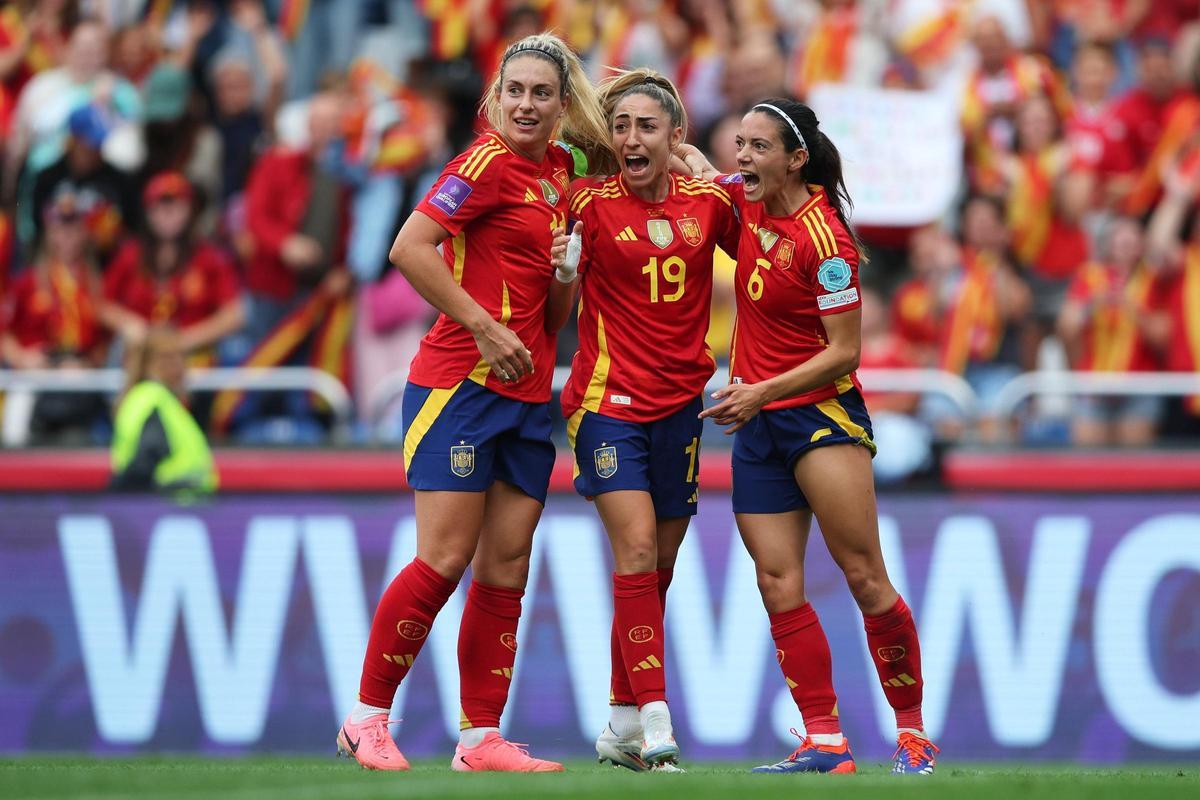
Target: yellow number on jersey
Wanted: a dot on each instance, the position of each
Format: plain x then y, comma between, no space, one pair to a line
693,451
557,221
674,271
754,286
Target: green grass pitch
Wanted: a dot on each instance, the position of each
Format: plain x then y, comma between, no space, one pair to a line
182,778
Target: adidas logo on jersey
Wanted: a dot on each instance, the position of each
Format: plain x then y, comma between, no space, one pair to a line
530,197
626,235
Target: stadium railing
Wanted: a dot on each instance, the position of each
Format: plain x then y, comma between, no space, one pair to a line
1050,383
216,379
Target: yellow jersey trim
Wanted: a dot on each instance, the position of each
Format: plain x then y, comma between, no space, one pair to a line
834,409
594,395
433,406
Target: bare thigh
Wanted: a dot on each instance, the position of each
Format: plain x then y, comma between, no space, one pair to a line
840,488
506,540
776,542
448,526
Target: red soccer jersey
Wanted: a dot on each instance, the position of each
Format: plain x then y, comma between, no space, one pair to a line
647,290
194,293
791,271
500,209
52,309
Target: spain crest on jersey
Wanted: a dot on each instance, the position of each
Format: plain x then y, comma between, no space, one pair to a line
767,239
462,459
660,232
606,461
548,191
783,256
561,178
690,228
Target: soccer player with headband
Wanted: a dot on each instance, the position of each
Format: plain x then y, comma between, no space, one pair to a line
646,242
477,447
803,442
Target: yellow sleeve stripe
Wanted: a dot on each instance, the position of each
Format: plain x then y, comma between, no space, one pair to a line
580,199
822,226
477,162
693,184
724,198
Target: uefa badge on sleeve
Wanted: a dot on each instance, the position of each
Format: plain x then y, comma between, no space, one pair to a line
462,459
606,461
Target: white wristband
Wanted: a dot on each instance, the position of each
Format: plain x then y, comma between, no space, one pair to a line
570,266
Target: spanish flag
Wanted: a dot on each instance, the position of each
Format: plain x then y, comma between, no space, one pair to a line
934,39
1112,338
450,21
826,56
974,329
293,15
1179,136
1031,205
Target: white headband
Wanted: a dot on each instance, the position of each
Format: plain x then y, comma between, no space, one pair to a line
788,120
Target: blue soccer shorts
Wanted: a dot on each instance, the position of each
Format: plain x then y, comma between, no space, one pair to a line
765,451
465,438
660,457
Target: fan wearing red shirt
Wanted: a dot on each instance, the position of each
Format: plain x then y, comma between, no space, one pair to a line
166,276
1113,310
476,410
803,436
634,395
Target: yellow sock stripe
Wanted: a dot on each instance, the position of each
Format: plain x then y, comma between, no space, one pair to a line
434,404
463,722
653,659
791,684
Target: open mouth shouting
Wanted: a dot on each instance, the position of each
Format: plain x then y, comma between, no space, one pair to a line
636,165
750,180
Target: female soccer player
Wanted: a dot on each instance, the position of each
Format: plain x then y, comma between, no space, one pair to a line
634,394
477,446
803,444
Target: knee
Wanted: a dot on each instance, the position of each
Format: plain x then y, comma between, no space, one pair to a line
868,583
782,589
637,555
450,565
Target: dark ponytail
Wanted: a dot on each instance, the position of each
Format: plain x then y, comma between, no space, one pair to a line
824,165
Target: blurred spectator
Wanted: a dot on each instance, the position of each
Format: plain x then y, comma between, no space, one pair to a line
107,192
1178,139
1112,318
1141,114
1174,244
1046,202
156,441
33,38
321,36
754,69
39,129
297,215
135,52
1091,128
49,319
843,44
169,275
1003,80
243,125
179,139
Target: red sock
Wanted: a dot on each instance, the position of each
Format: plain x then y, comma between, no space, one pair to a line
637,613
487,649
621,691
804,658
892,637
399,629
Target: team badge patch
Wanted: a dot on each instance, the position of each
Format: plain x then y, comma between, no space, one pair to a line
893,653
462,459
767,239
606,461
412,630
834,274
509,640
690,228
660,232
560,177
548,191
450,196
642,633
783,256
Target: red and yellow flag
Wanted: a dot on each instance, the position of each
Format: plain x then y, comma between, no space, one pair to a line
450,22
974,330
826,56
293,15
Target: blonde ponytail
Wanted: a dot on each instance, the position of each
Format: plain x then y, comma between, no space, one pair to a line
645,82
584,124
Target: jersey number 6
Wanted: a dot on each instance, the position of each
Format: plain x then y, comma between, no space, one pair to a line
674,271
754,286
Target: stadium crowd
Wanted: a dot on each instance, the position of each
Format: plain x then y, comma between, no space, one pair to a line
238,169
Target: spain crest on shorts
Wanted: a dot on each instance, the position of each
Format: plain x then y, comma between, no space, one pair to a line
548,191
690,228
660,232
606,461
462,459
